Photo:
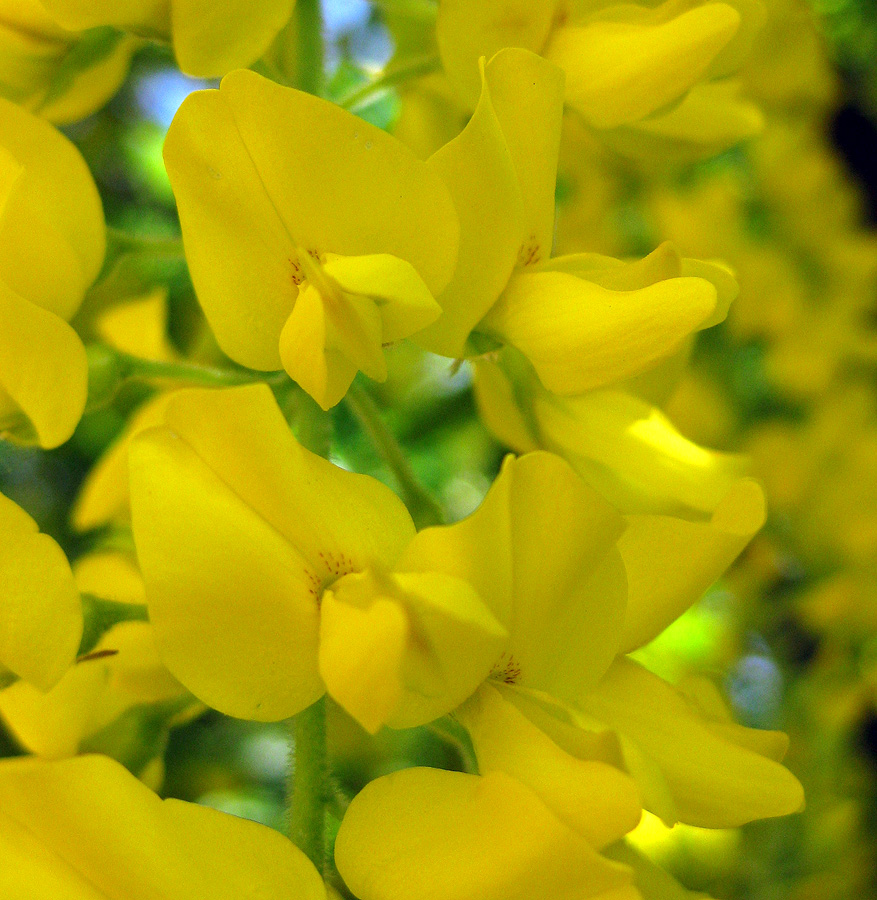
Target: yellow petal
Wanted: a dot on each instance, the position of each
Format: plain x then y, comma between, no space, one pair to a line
580,336
138,326
620,72
86,829
103,497
438,643
714,782
91,695
43,370
498,407
469,29
540,552
430,833
479,171
233,605
322,348
212,39
260,171
631,452
237,530
52,233
670,562
618,275
151,16
41,621
596,800
404,301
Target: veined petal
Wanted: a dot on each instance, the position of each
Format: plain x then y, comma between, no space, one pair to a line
405,649
52,232
620,72
41,621
671,561
211,39
86,829
430,833
469,29
631,452
43,369
479,171
540,551
714,782
232,603
597,800
580,336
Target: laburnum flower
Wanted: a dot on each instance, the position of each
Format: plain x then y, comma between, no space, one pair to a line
86,829
208,38
566,692
270,573
577,333
649,76
119,674
427,833
52,243
40,609
313,238
36,68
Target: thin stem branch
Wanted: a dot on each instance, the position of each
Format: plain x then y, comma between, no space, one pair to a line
192,373
390,77
310,46
307,782
422,505
155,247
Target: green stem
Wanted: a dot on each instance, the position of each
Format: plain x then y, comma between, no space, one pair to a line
422,505
192,373
390,77
310,46
155,247
423,11
307,782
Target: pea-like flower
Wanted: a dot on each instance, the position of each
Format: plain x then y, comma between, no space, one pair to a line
52,243
313,238
209,39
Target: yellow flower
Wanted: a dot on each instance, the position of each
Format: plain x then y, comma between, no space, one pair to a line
35,56
242,534
52,243
579,329
41,620
209,39
313,238
429,833
633,72
85,828
123,672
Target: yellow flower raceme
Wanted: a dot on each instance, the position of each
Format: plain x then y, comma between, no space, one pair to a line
241,533
209,39
41,620
625,64
429,833
86,829
577,333
313,238
52,243
35,53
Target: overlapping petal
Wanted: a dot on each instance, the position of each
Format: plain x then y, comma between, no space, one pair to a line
85,829
429,833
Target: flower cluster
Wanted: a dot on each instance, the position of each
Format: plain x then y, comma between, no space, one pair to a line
228,563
